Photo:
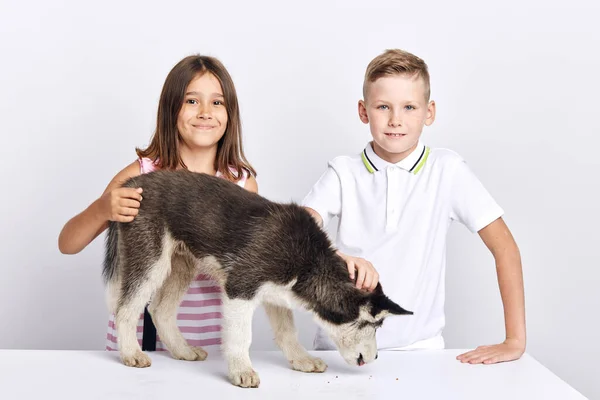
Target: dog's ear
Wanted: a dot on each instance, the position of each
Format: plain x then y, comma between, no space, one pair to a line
382,306
393,308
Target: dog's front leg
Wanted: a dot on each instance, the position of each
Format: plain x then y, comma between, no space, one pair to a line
282,323
237,337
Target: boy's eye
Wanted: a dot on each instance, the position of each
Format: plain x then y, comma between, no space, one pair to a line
383,107
409,108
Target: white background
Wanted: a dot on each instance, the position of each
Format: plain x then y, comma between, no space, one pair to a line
516,88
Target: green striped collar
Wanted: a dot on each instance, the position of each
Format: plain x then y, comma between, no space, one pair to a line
413,163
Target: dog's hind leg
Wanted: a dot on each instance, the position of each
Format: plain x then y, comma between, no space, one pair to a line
163,309
282,323
138,284
113,292
237,337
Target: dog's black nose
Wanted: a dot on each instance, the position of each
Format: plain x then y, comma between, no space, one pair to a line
376,355
360,360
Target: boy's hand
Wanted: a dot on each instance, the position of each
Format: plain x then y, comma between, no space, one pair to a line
367,276
511,349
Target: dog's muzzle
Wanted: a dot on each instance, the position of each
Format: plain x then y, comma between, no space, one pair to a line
360,360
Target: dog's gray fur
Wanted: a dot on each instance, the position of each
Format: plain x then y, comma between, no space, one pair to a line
260,252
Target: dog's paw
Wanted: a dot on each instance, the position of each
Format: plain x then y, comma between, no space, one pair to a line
191,354
308,364
246,378
137,359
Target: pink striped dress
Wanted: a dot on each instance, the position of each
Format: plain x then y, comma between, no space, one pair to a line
199,314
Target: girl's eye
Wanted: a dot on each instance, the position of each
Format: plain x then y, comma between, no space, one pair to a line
383,107
191,101
217,103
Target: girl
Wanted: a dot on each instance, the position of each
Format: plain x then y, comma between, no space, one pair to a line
198,127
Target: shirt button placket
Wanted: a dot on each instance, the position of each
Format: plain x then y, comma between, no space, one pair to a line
392,198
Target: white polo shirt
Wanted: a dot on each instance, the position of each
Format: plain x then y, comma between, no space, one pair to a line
397,216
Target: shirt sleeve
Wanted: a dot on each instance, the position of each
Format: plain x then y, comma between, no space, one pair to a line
325,197
472,204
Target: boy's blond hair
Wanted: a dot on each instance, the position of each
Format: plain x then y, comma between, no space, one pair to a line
396,62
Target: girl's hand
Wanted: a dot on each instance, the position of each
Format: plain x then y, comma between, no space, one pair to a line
121,205
367,276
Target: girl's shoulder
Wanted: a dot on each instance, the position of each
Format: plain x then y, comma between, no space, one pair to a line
147,165
241,181
130,171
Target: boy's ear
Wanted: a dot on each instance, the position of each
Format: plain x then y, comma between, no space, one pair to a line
362,112
430,113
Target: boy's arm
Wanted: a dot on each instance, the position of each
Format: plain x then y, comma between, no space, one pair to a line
500,242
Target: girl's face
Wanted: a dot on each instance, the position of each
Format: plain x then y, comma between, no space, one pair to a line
203,117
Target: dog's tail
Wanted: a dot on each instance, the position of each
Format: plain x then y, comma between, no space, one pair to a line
111,255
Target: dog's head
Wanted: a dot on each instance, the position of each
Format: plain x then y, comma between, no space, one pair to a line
356,339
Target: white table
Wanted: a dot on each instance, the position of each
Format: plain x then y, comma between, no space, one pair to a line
89,375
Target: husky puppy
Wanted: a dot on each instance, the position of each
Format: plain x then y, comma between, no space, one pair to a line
259,251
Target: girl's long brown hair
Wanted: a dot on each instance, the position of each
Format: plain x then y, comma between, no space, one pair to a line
164,146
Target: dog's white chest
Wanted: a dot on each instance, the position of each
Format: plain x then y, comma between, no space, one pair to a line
280,295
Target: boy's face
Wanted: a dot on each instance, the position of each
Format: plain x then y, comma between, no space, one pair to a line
396,110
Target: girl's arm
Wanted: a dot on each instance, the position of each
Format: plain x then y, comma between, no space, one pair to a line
115,204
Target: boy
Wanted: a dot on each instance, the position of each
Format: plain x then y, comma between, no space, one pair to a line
395,201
